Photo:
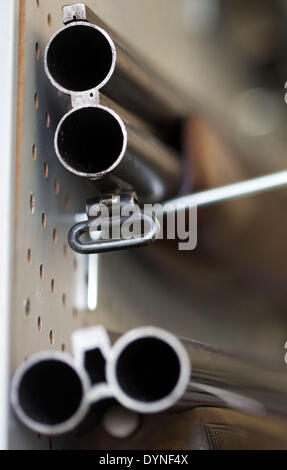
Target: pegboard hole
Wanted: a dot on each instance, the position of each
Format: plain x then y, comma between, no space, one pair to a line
75,264
55,236
52,340
67,203
75,314
29,256
44,220
49,20
63,347
37,49
57,186
41,272
27,307
65,250
36,100
53,289
64,300
34,152
32,204
46,170
39,324
38,3
48,121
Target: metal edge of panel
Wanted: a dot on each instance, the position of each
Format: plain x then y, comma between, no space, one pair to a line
9,26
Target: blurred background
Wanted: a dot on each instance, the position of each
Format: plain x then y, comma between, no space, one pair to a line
229,58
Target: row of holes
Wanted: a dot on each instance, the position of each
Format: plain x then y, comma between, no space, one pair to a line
56,186
27,303
40,323
32,197
49,19
65,252
56,182
51,334
27,306
47,116
29,259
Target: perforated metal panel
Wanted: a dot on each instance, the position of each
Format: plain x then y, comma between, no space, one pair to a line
50,281
47,197
52,288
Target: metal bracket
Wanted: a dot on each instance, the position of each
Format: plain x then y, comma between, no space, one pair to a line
74,12
105,216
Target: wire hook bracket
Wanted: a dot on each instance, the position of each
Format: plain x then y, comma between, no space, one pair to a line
105,216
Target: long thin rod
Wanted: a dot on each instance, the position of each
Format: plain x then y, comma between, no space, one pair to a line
229,192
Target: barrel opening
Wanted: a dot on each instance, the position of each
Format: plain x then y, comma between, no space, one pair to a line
90,140
148,369
80,58
50,392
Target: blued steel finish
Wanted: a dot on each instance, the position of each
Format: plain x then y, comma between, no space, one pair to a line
130,81
149,166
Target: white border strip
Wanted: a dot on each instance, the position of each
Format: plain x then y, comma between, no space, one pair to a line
9,27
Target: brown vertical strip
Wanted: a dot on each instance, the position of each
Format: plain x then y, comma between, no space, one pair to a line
19,105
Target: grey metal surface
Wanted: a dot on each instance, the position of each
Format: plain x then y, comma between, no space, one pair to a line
8,91
49,284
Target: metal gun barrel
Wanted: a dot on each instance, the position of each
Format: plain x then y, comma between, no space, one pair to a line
93,141
86,55
49,393
148,370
